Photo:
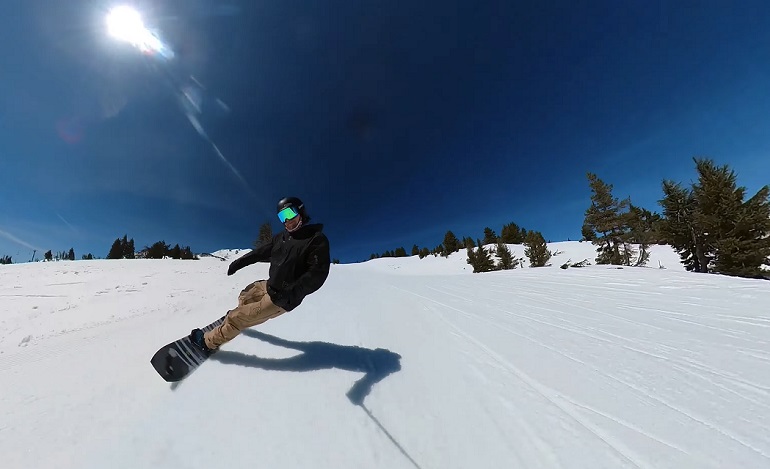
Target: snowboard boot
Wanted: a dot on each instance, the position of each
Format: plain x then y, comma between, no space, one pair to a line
196,337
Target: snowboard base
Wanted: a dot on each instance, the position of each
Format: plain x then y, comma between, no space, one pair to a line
176,360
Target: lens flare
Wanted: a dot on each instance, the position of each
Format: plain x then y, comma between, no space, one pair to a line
125,24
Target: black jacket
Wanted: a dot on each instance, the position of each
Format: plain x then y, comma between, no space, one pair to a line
299,264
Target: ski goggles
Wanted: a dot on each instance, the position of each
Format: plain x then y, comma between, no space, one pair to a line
287,214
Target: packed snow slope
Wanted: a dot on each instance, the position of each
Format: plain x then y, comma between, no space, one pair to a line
394,363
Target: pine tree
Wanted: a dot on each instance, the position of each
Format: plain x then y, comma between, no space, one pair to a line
512,234
424,252
116,251
536,249
507,260
718,202
588,233
130,251
71,254
731,228
6,260
606,217
489,237
48,255
127,248
471,253
175,252
679,227
482,260
747,247
641,226
468,242
265,234
187,253
415,250
400,252
451,243
158,250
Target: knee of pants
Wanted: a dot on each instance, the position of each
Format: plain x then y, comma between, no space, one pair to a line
252,293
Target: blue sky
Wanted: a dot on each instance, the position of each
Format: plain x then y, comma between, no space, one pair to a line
395,122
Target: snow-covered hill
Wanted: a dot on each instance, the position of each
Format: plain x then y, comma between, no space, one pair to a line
394,363
564,251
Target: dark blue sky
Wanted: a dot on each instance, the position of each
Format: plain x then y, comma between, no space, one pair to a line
394,120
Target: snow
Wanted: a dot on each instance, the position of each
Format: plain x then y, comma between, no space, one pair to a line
593,367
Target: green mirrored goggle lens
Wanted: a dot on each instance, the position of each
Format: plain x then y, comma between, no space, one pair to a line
287,214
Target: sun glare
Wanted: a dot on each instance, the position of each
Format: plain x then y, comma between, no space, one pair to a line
126,24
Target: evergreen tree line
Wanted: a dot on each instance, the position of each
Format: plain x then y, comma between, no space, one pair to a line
711,224
51,256
510,234
123,248
60,256
479,256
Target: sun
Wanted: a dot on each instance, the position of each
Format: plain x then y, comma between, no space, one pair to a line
125,23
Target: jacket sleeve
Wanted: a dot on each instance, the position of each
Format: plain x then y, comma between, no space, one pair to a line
317,262
260,254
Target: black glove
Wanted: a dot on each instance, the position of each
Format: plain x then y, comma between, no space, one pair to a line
234,267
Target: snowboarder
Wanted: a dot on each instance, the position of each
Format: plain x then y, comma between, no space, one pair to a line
299,266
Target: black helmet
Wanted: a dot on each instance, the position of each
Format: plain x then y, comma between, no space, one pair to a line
291,202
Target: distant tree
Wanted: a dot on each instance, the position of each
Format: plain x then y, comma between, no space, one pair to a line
588,233
127,248
468,242
88,257
186,253
116,251
513,234
507,261
265,234
481,259
642,231
424,252
746,248
734,230
606,216
335,261
451,243
438,250
489,236
680,229
48,255
71,254
415,250
536,249
175,252
5,260
471,254
400,252
158,250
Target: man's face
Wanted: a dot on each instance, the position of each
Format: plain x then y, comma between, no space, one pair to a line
293,224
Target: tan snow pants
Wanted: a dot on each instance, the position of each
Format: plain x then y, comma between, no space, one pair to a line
254,307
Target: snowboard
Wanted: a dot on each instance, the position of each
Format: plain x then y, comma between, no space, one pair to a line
176,360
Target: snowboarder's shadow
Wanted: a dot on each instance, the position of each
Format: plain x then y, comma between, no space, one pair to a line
377,364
